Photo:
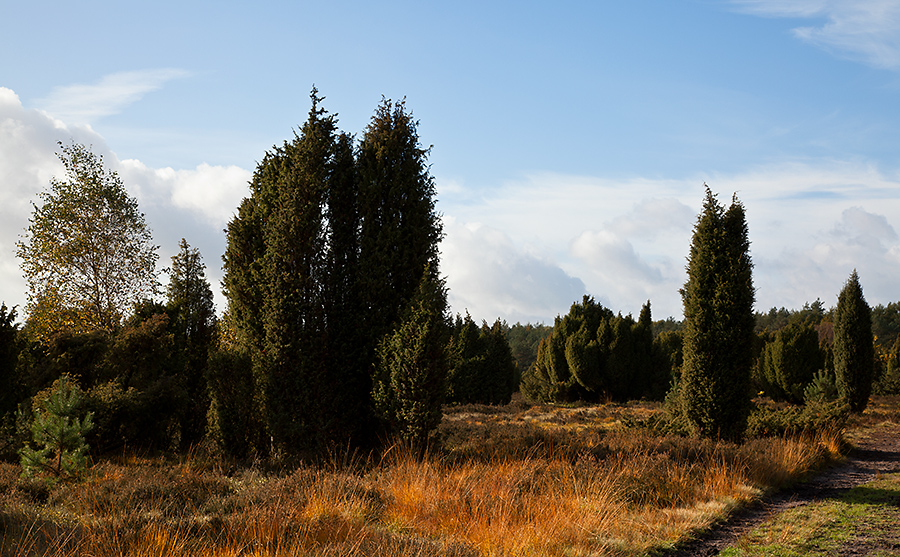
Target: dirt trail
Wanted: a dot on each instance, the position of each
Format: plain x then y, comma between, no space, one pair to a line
877,453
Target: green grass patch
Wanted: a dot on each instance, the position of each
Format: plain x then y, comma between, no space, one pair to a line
860,521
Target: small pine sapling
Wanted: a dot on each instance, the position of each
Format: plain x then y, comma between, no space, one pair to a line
58,432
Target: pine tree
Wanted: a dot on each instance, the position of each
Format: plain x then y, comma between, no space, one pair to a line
854,351
718,333
58,426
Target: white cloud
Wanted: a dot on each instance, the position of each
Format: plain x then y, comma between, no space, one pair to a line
862,30
811,223
28,143
85,103
639,256
195,204
528,249
213,192
491,277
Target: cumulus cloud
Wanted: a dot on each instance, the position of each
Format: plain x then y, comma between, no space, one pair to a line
816,266
212,192
862,30
633,258
811,223
490,276
195,203
28,143
85,103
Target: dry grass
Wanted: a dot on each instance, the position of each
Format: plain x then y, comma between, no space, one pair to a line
516,481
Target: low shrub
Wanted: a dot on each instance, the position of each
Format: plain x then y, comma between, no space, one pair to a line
798,420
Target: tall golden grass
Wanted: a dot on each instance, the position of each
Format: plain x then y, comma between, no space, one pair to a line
510,484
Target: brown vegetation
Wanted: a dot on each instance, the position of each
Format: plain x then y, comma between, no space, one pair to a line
515,480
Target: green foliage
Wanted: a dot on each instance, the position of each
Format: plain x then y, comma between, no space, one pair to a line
144,361
718,333
233,421
10,389
133,379
790,361
886,325
667,325
80,356
399,226
502,378
58,427
888,382
821,389
523,342
118,414
797,420
593,355
193,323
411,366
87,253
854,351
481,368
776,319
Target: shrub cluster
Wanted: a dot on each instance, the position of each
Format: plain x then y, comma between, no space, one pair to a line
593,355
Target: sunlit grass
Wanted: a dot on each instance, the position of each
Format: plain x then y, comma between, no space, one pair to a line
517,481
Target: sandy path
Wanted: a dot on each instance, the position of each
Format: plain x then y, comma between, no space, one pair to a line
877,453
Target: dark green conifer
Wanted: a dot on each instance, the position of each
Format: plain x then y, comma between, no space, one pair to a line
399,226
592,355
791,360
481,368
854,352
411,366
718,332
193,322
499,363
466,360
290,279
9,352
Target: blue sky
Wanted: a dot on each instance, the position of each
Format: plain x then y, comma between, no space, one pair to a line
571,140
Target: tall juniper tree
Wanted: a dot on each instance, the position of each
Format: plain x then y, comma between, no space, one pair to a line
323,264
718,331
399,235
400,228
854,350
291,251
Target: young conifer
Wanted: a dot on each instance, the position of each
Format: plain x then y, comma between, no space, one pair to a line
854,350
58,428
